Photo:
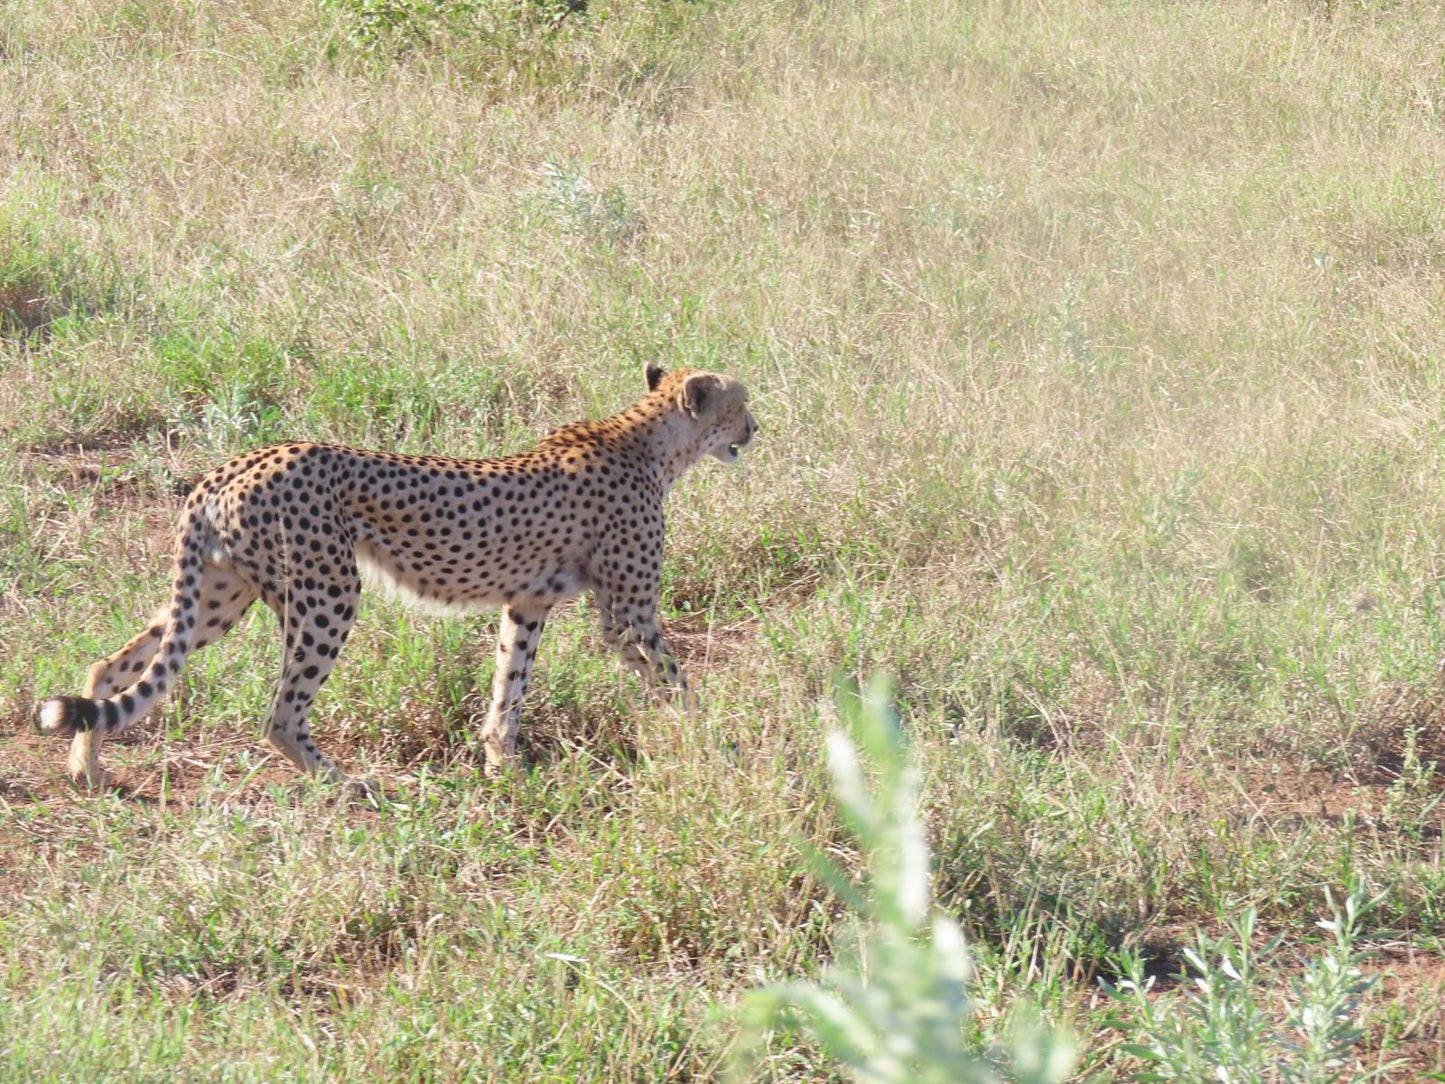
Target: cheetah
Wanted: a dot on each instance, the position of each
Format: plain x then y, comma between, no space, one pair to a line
294,524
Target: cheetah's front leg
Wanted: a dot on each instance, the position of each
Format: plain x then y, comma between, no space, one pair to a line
636,635
516,649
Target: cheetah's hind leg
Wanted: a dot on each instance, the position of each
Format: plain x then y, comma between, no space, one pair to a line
517,638
315,626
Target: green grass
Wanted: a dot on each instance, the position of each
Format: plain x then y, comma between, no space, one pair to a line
1097,353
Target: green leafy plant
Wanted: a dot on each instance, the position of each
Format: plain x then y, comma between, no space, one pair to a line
236,417
1221,1031
898,1009
607,215
373,24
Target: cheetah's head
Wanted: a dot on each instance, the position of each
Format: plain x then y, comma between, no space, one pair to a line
717,405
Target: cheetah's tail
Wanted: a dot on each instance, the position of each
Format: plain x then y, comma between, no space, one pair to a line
65,715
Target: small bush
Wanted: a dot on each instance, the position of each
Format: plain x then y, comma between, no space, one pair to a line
899,1009
1222,1029
380,24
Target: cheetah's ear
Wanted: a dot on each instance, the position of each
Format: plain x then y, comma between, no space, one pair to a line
697,390
655,373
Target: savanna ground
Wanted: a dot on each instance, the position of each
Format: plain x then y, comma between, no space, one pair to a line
1099,353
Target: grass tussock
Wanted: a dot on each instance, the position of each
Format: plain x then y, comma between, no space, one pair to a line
1097,354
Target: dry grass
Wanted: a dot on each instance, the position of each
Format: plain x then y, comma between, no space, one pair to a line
1098,355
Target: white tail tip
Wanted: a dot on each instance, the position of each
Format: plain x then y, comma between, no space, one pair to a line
51,717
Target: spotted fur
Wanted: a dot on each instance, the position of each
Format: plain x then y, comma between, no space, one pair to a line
290,524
